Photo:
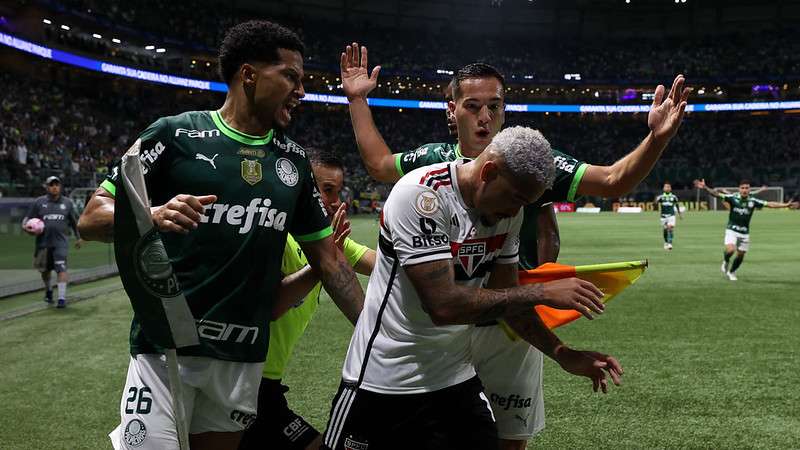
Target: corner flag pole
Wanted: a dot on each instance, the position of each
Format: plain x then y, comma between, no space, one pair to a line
149,280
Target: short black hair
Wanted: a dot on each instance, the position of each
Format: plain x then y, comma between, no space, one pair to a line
324,157
475,70
667,182
254,41
744,181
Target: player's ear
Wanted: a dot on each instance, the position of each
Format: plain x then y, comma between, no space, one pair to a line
451,106
489,171
248,73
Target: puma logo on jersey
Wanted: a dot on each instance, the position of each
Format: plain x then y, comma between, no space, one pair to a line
202,157
258,212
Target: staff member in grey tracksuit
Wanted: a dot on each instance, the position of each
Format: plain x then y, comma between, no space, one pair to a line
59,215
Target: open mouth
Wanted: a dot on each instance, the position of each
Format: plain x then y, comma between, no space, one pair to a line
482,134
289,106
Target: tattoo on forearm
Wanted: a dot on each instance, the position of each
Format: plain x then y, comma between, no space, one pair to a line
344,288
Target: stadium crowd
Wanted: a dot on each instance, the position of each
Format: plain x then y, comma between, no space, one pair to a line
83,131
774,56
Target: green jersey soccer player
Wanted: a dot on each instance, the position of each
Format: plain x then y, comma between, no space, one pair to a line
737,233
227,187
668,205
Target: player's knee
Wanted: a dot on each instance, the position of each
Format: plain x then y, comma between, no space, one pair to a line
740,254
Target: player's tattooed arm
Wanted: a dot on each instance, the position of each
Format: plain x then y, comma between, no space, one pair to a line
337,276
357,83
448,303
97,221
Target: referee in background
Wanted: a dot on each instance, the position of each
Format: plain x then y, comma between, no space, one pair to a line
59,215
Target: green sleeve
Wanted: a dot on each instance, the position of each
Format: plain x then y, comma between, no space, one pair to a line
422,156
353,251
293,258
569,173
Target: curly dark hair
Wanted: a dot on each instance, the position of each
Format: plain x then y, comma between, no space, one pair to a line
475,70
324,157
254,41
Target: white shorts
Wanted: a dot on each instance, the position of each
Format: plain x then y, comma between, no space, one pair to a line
739,240
511,372
217,396
668,220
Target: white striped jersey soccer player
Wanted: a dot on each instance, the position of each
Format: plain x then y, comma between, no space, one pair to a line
396,348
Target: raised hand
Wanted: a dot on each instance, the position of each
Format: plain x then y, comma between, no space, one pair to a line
341,226
666,114
182,213
700,184
592,365
356,80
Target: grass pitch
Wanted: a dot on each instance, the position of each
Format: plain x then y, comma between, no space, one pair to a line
709,363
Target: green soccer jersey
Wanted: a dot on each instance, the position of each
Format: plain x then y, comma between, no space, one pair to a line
569,172
287,330
229,267
667,204
741,211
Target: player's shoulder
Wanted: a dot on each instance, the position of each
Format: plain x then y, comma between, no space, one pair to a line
188,122
41,199
433,177
288,145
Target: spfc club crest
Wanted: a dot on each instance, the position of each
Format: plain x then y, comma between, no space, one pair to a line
251,171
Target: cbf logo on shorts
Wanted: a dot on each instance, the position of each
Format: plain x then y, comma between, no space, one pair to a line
287,172
135,433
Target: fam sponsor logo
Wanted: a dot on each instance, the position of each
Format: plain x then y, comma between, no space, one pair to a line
135,433
53,217
219,331
742,210
258,212
512,401
196,134
243,418
564,164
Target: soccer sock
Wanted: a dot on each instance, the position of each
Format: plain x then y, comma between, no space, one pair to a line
666,235
62,290
670,233
736,263
727,257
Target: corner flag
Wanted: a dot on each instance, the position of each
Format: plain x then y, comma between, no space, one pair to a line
610,278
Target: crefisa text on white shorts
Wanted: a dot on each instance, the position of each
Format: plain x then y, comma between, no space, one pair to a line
511,373
217,395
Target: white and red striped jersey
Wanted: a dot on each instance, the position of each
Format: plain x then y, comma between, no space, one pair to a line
396,348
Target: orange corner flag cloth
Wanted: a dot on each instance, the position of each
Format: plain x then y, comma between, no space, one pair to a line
610,278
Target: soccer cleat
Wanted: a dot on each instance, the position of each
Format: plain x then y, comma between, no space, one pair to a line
732,276
724,268
62,303
48,297
666,246
669,246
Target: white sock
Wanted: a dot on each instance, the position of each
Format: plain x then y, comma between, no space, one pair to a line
62,290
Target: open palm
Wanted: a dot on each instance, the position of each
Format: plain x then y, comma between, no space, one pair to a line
666,114
356,80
